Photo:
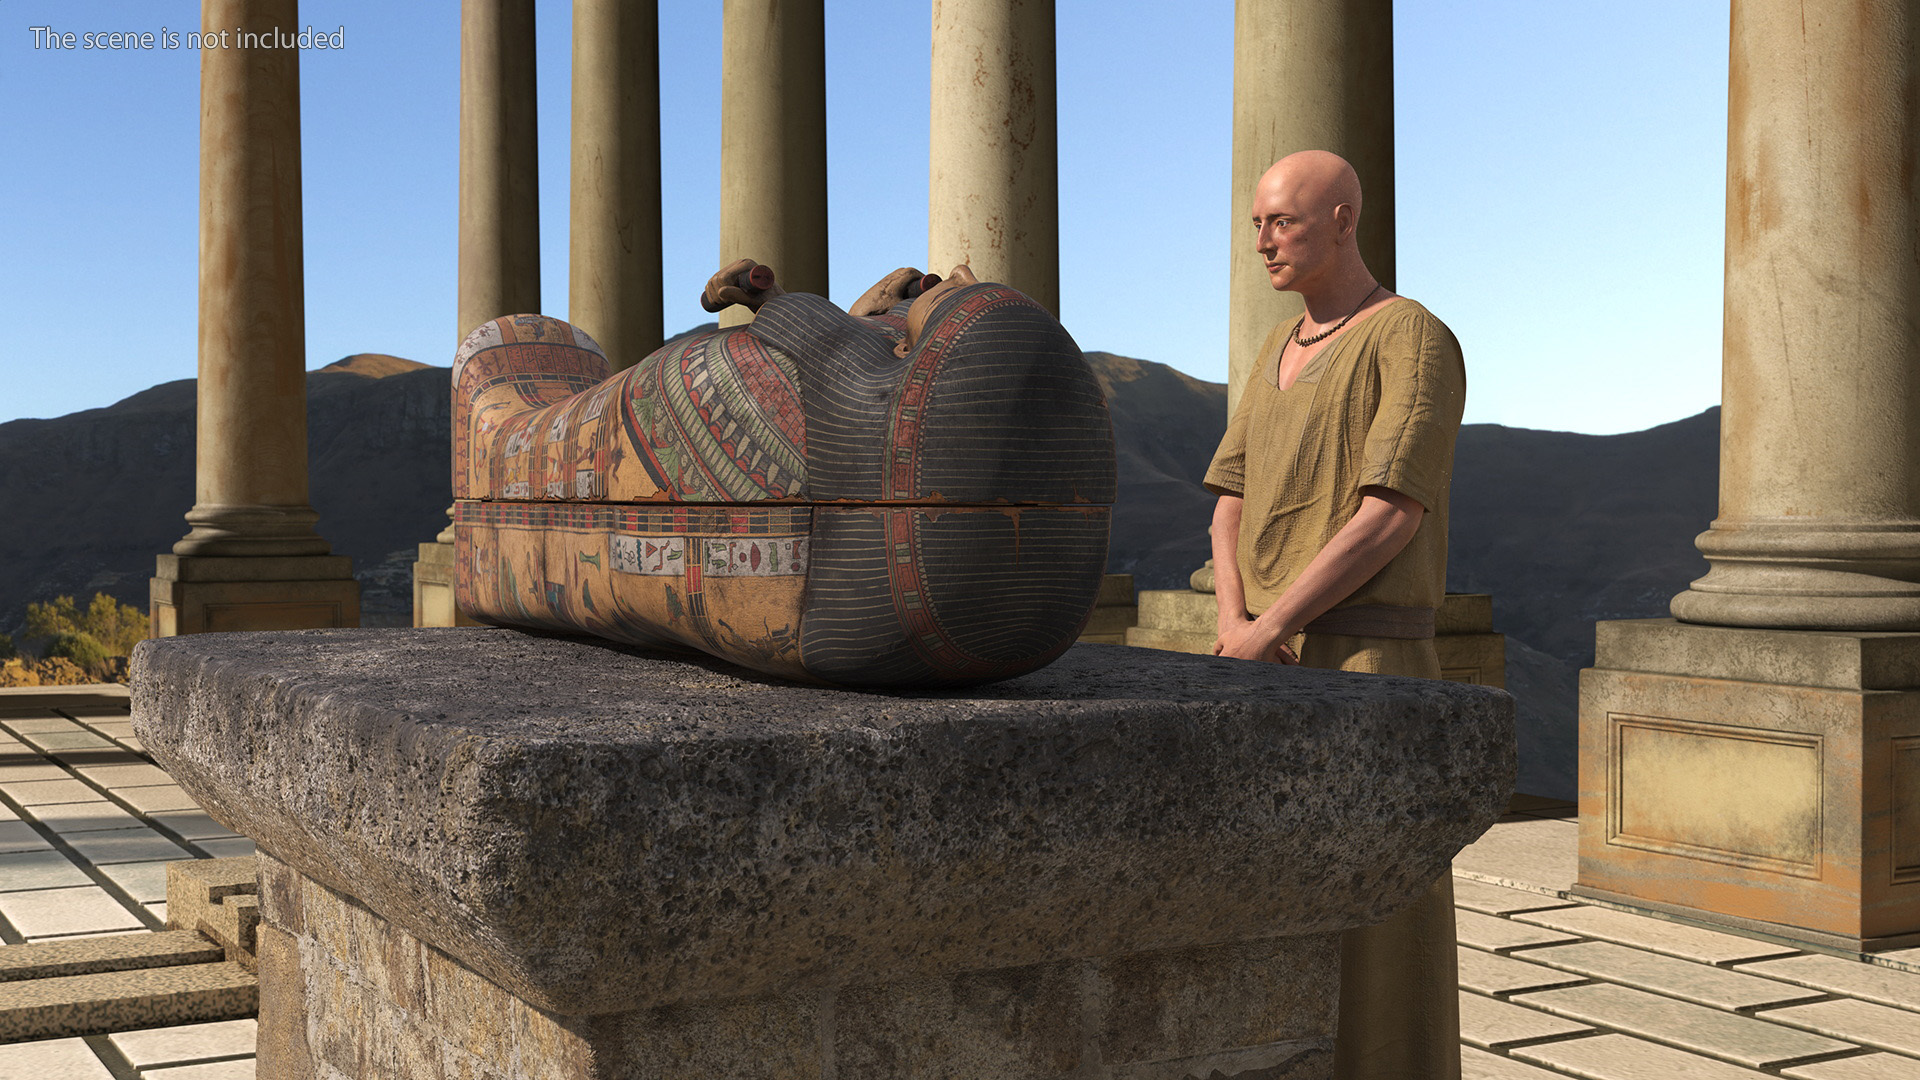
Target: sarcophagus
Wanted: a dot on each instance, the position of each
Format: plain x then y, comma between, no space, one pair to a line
793,495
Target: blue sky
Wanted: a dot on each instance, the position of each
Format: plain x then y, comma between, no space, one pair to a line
1561,173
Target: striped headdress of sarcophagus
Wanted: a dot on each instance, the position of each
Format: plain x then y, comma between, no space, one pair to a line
791,495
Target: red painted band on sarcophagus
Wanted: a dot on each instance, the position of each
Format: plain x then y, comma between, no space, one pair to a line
791,495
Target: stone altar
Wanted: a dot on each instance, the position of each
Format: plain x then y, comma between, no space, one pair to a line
486,853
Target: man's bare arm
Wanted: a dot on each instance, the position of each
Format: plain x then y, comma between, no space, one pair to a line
1381,528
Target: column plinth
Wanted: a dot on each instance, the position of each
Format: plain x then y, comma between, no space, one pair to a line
252,525
773,142
993,185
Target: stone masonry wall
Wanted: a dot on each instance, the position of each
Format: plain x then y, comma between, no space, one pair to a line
346,994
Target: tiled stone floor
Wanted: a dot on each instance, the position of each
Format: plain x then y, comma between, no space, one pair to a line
1549,987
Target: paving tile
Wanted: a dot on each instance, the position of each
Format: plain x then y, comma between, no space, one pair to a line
188,1043
1490,974
98,756
144,881
221,1070
226,847
1696,1028
25,724
1849,978
1860,1022
7,814
37,792
1489,1023
125,846
192,824
110,726
37,768
1476,895
1494,935
63,740
50,912
1864,1067
81,817
1618,1057
1527,852
159,909
42,869
1684,979
148,800
1480,1065
1655,935
51,1059
119,776
133,743
17,835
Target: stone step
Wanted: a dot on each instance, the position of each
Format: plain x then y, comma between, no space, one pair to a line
1146,637
109,1001
89,956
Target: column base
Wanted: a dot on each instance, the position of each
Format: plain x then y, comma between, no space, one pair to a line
434,595
1763,780
344,992
192,594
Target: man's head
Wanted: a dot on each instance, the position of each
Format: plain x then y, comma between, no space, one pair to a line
1306,214
924,304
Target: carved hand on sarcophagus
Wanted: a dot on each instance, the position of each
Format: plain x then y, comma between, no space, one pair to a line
909,496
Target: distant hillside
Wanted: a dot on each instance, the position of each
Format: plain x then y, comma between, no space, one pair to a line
1562,529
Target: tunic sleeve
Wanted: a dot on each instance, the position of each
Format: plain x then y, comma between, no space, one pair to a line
1227,475
1423,388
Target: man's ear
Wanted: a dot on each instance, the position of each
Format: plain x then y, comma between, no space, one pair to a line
1345,221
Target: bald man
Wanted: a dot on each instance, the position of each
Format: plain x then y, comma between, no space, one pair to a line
1330,545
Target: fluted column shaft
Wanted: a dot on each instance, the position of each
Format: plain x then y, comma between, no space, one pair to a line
1819,523
1307,75
773,142
499,163
250,481
614,247
993,191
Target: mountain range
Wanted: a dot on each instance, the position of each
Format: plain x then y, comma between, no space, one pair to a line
1562,529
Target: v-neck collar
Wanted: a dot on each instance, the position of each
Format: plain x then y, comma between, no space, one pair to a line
1319,359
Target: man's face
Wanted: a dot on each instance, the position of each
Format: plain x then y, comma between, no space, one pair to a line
1295,239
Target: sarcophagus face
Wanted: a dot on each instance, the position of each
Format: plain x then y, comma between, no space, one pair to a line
792,495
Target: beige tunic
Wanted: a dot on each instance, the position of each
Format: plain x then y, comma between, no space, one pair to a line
1379,406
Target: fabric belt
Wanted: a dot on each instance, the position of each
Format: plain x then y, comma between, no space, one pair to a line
1375,620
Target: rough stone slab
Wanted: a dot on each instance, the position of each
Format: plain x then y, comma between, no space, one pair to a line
1860,1022
1738,1039
1499,935
1684,979
1489,1023
1489,973
1849,978
1540,854
1864,1067
1479,1065
1620,1057
120,1000
492,791
1476,895
85,956
1655,935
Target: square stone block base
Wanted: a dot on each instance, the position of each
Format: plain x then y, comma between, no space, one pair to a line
433,588
1766,780
191,594
1181,620
345,993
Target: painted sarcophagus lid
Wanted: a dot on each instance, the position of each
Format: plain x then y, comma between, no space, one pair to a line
792,495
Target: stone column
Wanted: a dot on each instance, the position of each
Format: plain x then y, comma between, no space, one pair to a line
993,183
614,247
499,259
1307,75
253,559
1758,763
773,142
